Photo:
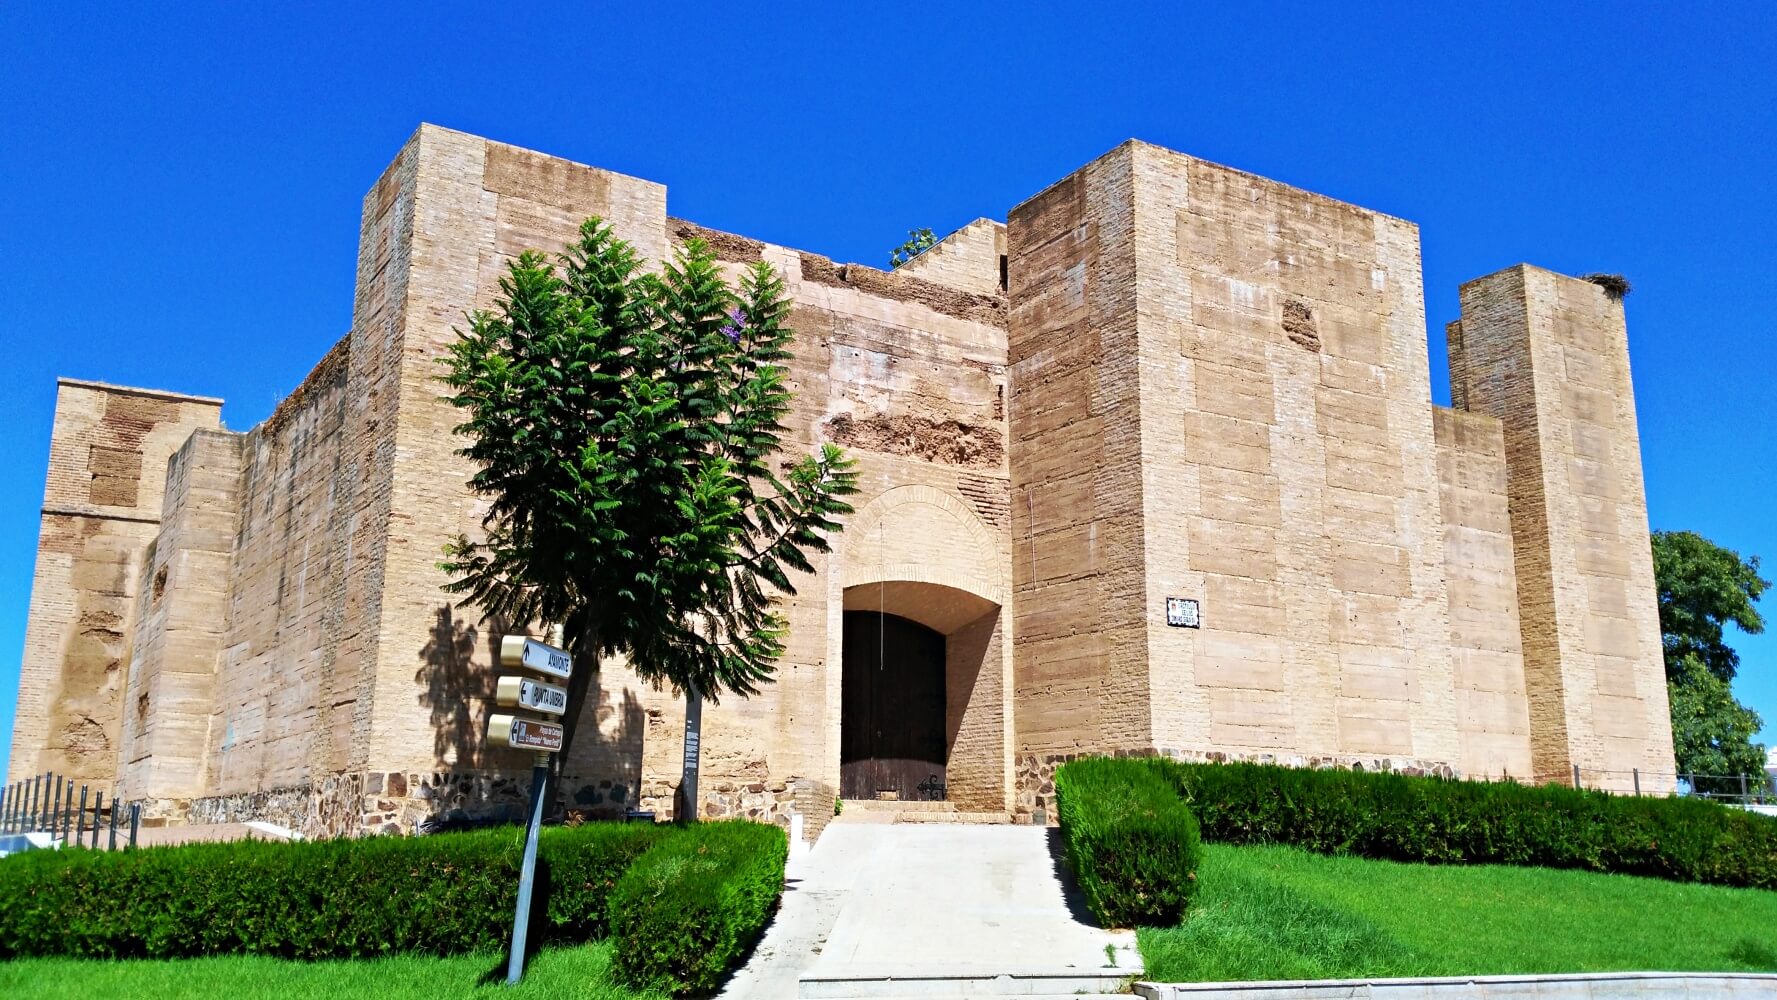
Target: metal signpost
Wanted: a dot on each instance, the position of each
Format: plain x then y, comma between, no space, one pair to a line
522,732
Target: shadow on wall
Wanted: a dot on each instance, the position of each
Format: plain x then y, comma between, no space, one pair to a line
603,775
456,691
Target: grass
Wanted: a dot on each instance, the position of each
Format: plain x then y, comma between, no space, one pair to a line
583,973
1282,913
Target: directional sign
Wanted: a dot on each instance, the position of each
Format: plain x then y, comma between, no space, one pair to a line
522,733
522,692
527,653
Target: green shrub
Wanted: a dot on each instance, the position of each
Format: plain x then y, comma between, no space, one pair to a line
689,909
441,894
583,876
1133,844
1402,818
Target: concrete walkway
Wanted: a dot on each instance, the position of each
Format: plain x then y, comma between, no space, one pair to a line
932,910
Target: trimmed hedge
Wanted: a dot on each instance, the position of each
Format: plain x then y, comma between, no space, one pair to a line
1133,844
690,909
1401,818
441,894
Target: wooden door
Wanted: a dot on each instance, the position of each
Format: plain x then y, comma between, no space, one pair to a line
891,732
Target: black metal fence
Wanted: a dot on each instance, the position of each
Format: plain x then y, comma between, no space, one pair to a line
77,815
1730,789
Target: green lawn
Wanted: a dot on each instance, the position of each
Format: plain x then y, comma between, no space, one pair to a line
1282,913
582,973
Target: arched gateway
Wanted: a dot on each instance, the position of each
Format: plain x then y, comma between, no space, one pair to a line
924,655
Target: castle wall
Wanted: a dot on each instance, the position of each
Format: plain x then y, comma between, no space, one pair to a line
1161,378
1080,601
972,259
909,377
271,697
1548,355
182,605
906,373
1289,471
1486,650
101,506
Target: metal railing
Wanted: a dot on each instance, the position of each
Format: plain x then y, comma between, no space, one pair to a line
1730,789
48,803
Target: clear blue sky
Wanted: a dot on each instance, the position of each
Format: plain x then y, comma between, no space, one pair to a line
179,191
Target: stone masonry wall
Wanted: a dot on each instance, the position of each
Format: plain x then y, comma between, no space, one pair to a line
1486,649
277,718
1548,355
1289,471
906,373
1078,568
101,508
182,604
972,259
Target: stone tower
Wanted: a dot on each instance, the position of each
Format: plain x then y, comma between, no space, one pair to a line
1549,356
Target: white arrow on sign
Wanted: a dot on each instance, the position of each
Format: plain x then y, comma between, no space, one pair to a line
524,652
521,733
522,692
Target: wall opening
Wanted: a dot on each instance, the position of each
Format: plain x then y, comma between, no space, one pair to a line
892,741
922,706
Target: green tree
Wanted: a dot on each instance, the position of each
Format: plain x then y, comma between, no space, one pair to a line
1712,733
1703,588
626,432
918,242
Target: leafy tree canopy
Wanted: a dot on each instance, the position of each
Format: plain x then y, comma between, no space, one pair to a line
625,429
1703,587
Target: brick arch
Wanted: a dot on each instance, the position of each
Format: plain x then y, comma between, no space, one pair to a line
921,534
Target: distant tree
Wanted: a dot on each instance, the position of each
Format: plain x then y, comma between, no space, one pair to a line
1702,588
918,242
625,429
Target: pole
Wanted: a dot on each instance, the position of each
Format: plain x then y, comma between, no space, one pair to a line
98,807
1636,773
112,820
521,920
135,820
685,808
53,815
68,813
1576,776
1743,795
80,819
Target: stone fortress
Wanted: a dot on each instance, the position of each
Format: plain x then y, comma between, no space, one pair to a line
1159,379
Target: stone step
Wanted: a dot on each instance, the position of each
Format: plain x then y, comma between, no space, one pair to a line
955,817
896,805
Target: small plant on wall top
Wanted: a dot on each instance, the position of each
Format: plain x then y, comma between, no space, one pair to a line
918,242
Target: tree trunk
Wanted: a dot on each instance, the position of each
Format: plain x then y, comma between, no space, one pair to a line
686,798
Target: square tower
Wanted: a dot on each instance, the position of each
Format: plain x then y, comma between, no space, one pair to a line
1220,392
1549,356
